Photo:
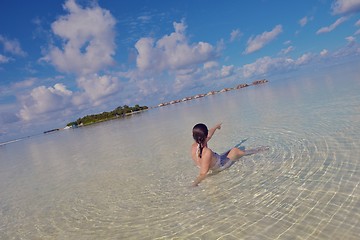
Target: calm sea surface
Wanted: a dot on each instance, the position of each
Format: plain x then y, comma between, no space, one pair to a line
130,178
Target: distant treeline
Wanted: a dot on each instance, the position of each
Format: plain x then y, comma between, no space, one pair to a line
117,112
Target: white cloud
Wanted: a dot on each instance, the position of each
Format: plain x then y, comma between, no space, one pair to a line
235,34
171,64
147,86
144,18
45,100
60,89
264,65
332,26
172,52
258,42
88,39
345,6
358,25
304,59
12,46
286,50
227,70
4,59
188,78
97,87
267,64
324,52
303,21
350,49
210,64
50,102
350,39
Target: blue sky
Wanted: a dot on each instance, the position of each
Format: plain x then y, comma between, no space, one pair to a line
63,59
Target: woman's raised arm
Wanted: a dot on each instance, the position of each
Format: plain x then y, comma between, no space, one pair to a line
212,131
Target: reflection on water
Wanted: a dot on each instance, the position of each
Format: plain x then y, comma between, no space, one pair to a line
130,178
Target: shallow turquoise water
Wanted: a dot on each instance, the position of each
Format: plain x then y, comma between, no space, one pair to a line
130,178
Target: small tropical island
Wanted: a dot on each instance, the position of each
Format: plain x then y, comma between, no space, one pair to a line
118,112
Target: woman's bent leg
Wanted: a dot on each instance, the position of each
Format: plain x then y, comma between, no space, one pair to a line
235,154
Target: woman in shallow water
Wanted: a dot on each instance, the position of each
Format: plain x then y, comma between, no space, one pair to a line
206,159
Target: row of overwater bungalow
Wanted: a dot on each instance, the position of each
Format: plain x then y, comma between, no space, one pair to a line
243,85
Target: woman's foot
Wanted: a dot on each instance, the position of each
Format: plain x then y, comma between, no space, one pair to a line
256,150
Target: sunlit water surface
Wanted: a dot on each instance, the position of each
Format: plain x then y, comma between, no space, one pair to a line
130,178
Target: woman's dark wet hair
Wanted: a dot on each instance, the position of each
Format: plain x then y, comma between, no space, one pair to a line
200,133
